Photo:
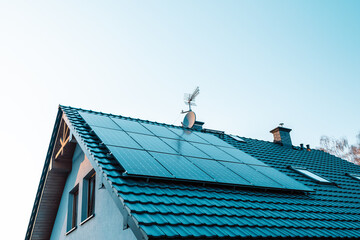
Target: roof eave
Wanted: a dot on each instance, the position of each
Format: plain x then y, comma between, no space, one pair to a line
43,176
128,219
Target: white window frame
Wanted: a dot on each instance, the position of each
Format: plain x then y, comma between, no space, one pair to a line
310,174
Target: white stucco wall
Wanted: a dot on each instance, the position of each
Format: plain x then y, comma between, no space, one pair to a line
107,222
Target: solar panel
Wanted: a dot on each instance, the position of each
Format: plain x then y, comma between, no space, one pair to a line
131,126
286,181
115,137
188,135
251,175
181,167
219,172
215,152
213,139
160,151
243,157
160,131
152,143
98,120
184,148
139,162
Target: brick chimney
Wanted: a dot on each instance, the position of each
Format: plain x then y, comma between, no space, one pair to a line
282,136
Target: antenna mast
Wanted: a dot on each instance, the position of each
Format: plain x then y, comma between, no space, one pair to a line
190,99
190,116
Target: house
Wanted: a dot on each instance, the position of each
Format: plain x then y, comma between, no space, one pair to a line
114,177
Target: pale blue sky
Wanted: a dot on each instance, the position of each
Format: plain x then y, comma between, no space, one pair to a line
258,63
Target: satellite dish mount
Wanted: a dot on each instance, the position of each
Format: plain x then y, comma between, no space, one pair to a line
190,116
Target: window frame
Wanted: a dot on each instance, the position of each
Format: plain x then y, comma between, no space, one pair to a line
88,196
91,195
312,175
354,176
73,207
237,138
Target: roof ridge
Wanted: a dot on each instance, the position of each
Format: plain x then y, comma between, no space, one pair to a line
124,117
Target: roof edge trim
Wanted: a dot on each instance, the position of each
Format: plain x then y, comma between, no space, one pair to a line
119,202
43,175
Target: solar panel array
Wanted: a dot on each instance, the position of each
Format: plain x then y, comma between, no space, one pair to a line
150,150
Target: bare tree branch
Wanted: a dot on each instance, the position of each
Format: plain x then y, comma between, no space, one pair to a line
341,148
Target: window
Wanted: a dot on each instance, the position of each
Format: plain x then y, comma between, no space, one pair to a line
72,209
88,196
357,177
91,195
353,175
237,138
312,175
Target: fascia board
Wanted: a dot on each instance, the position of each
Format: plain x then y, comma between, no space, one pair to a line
43,176
119,201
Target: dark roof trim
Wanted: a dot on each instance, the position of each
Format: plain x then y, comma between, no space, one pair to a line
130,118
43,176
213,131
129,220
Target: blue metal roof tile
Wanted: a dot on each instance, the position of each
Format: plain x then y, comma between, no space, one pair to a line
159,219
220,232
170,231
188,209
197,231
153,230
182,230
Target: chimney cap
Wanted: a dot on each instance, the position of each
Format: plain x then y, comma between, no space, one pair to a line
282,136
199,123
278,129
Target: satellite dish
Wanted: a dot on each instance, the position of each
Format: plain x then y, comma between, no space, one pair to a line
189,120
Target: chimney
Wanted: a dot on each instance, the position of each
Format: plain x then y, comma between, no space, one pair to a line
282,136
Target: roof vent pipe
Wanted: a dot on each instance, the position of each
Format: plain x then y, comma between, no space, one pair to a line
282,135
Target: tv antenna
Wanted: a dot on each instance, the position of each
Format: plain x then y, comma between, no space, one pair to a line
190,116
189,99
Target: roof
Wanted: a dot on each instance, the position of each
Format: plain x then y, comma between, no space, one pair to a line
163,208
